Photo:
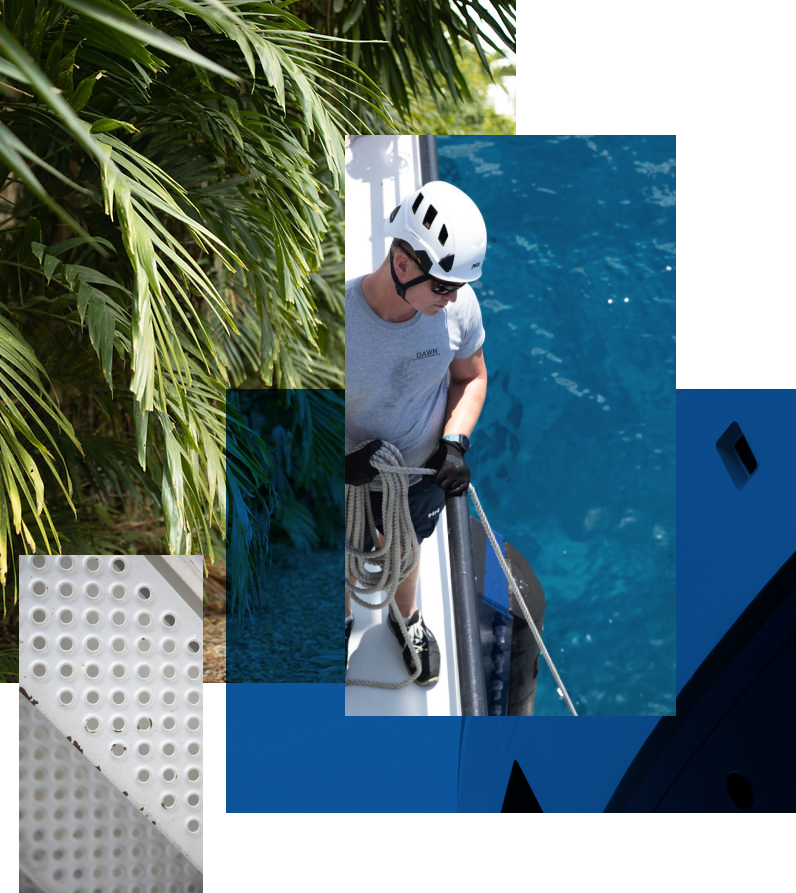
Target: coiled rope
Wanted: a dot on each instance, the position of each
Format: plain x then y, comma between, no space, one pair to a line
399,555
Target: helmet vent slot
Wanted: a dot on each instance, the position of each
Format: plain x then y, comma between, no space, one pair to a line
429,218
418,202
394,213
443,235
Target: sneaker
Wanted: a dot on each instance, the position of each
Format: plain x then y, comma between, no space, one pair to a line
348,628
423,639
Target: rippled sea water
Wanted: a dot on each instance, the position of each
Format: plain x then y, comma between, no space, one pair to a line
574,456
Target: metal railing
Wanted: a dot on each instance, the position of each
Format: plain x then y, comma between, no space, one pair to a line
466,620
429,163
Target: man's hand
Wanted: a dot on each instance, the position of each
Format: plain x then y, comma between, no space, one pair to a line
358,470
452,475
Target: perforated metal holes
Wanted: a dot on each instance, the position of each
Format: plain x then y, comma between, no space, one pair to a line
79,833
112,654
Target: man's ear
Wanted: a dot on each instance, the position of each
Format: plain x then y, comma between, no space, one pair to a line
399,262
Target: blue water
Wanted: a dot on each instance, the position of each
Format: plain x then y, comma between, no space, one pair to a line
574,456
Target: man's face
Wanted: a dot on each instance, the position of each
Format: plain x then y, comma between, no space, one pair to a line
421,297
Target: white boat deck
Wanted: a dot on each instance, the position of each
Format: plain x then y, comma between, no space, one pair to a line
379,171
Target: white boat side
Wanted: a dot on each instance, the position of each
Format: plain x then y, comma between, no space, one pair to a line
379,171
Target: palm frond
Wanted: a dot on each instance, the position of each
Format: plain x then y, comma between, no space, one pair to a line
27,446
9,663
169,225
415,46
302,431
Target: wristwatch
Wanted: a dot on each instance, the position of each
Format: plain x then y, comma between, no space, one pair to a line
461,440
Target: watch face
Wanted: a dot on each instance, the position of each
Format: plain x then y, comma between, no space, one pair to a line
461,439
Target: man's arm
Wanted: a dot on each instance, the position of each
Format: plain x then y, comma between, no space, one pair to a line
466,394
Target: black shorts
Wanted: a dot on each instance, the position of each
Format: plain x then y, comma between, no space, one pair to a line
425,509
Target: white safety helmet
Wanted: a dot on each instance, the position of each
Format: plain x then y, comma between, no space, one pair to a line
444,228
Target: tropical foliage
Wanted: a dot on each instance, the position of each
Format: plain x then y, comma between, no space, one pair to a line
440,113
171,225
169,228
414,48
284,478
8,663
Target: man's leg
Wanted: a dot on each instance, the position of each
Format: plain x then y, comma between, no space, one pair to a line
407,591
405,594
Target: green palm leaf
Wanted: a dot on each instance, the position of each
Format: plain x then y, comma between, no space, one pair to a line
28,447
167,190
302,432
412,47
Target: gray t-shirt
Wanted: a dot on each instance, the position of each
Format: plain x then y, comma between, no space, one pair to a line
396,373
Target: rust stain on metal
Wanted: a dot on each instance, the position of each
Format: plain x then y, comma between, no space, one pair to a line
75,744
98,769
32,700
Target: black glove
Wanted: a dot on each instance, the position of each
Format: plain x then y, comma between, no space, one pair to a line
452,475
358,470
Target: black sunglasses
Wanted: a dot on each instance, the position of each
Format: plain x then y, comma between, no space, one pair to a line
445,288
437,285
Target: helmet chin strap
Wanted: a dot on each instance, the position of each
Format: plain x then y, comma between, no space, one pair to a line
400,287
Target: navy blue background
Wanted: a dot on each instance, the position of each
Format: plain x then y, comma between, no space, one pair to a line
308,756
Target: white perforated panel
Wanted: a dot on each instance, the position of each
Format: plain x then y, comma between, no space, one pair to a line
77,832
112,655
